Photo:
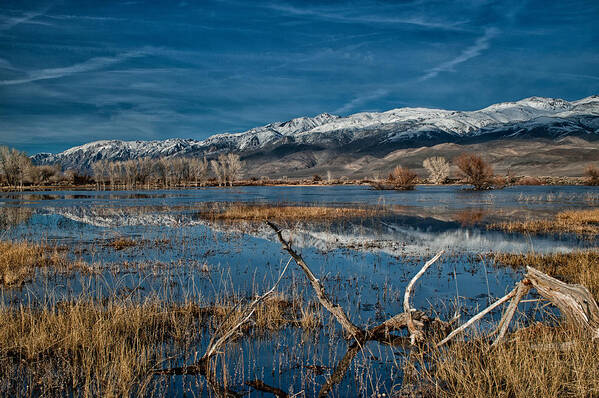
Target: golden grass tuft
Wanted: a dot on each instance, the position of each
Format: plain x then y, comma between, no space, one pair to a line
122,243
261,212
539,361
579,222
18,261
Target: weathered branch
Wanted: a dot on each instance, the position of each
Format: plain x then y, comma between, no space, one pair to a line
416,334
336,310
575,302
478,316
521,290
249,311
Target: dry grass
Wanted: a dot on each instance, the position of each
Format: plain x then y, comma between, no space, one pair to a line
580,267
529,181
470,217
539,361
535,361
260,212
98,350
122,243
18,261
579,222
112,348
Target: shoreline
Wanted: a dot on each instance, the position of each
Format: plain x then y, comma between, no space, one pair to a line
515,181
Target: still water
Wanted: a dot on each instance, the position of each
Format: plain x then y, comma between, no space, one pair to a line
365,264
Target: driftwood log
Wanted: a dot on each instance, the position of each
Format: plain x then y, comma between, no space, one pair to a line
575,303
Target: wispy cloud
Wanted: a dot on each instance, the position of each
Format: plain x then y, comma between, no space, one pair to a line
360,100
9,22
344,17
86,66
481,44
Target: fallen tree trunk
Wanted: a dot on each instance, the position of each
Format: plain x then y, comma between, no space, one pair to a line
575,302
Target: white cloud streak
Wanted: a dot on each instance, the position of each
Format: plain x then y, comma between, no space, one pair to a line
338,16
481,44
10,22
361,100
91,64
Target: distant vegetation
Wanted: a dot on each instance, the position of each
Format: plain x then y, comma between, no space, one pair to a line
17,172
261,212
167,172
475,171
438,169
592,172
580,222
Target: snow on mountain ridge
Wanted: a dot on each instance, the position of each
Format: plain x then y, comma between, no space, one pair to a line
331,130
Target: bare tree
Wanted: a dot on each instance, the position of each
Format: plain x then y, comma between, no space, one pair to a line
144,171
218,171
233,166
592,172
403,178
438,169
475,170
101,173
14,166
199,170
114,172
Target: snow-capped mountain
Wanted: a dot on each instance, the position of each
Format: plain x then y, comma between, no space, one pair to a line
367,132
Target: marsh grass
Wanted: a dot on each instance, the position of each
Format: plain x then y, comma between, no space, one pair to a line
114,347
580,267
122,243
579,222
18,261
539,361
97,349
284,212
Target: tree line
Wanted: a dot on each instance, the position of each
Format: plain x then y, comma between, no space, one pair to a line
17,170
167,172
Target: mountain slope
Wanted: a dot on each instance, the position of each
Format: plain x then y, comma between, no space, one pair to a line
361,134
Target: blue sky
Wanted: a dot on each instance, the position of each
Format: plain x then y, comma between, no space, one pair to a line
76,71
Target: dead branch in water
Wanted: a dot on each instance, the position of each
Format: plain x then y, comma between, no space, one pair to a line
416,333
408,319
574,301
326,302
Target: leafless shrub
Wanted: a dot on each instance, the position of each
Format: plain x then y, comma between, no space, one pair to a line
14,166
475,171
592,172
403,178
438,169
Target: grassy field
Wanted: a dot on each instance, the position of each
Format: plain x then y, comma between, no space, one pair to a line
579,222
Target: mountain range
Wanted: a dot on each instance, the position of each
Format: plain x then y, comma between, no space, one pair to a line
536,136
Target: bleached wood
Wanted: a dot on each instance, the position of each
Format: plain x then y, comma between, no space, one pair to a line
521,290
416,334
478,316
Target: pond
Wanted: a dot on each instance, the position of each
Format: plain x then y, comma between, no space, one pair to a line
177,255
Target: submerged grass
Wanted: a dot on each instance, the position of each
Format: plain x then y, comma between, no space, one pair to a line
18,261
579,222
114,347
97,349
261,212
